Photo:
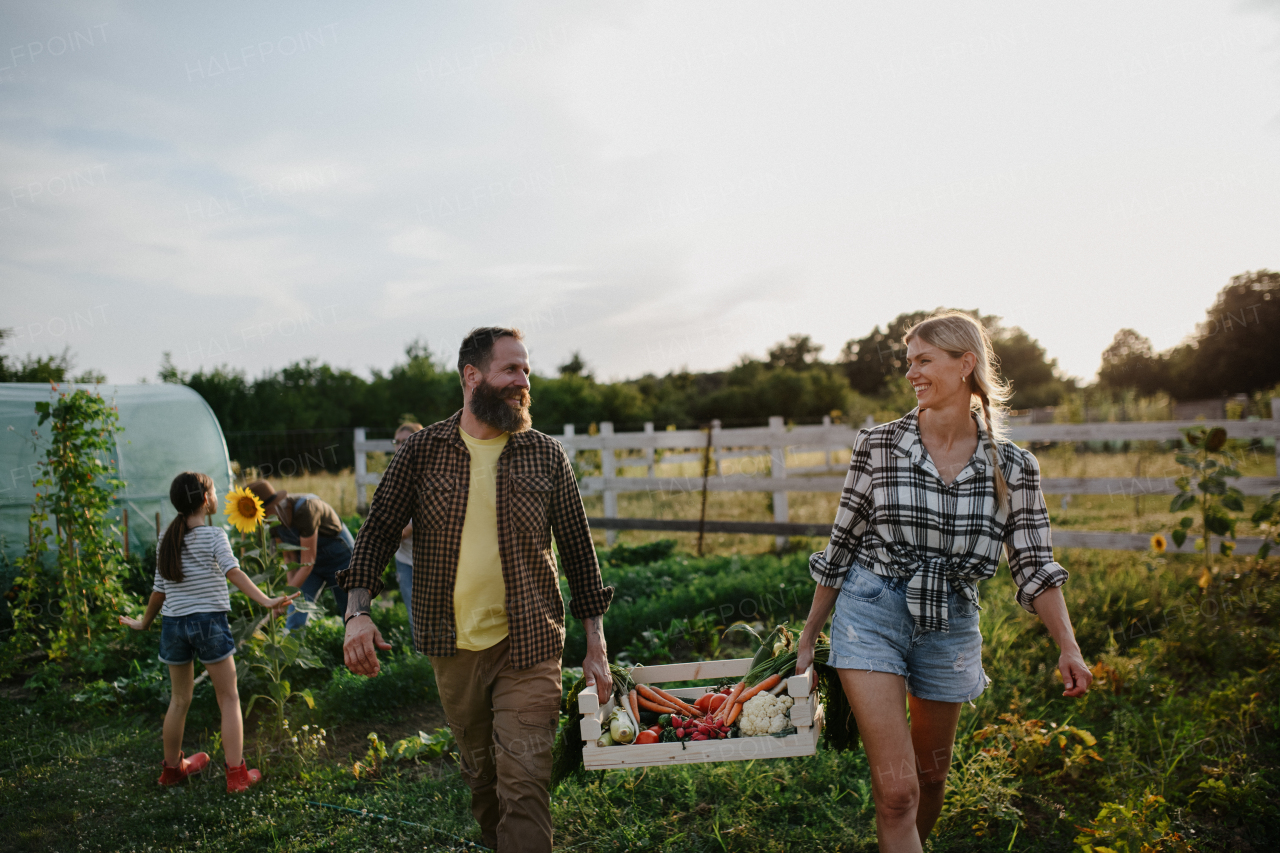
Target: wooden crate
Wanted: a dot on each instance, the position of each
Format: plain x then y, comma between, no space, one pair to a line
806,716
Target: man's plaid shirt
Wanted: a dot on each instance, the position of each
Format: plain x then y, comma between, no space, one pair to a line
428,481
899,519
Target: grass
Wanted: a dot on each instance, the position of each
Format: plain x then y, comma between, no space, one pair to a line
1185,708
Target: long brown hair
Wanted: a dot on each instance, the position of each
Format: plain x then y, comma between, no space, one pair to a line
956,333
187,493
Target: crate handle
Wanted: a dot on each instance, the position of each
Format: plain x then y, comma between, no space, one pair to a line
589,700
800,685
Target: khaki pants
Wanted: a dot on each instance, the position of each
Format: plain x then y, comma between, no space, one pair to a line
504,720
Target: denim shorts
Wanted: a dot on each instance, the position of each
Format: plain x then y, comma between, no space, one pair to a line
203,635
873,630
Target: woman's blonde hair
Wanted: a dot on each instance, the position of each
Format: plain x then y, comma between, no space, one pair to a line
956,333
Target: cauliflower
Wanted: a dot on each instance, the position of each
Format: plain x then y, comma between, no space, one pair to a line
764,714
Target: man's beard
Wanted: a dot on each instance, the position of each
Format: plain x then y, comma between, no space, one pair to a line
489,405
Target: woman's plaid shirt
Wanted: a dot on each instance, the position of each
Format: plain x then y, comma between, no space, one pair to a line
899,519
428,481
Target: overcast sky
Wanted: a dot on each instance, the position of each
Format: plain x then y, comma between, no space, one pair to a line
657,185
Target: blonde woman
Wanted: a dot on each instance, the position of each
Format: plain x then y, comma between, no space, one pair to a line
930,501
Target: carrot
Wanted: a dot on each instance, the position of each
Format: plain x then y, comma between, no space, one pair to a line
676,700
770,682
654,706
733,699
659,698
733,715
635,707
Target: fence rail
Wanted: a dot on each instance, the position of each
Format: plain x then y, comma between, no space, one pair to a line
645,450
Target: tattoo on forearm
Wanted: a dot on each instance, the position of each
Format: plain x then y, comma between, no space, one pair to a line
357,599
594,625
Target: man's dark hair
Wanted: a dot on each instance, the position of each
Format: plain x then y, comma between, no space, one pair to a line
477,346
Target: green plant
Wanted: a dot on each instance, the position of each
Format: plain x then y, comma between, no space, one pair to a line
307,742
1212,464
71,614
1267,517
267,648
1141,825
423,745
370,767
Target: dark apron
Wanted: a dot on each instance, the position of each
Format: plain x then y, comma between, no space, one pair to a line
333,555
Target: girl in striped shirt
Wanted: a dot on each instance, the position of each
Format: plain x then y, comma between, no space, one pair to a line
193,564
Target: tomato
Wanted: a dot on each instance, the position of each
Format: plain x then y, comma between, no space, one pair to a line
647,736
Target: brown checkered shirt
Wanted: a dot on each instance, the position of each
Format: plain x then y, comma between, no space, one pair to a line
428,481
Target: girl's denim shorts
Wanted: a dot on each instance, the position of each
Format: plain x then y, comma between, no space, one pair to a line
203,635
873,630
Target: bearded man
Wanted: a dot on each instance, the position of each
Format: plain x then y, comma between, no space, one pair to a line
486,493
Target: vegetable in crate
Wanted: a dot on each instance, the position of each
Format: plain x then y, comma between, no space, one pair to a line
763,714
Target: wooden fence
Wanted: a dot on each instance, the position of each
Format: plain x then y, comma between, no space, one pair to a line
767,449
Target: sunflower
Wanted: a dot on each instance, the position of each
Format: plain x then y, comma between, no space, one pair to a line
244,510
1158,544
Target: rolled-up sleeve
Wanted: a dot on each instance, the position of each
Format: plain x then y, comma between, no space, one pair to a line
379,535
830,567
589,596
1028,542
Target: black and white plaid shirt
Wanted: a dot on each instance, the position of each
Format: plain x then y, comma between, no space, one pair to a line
898,518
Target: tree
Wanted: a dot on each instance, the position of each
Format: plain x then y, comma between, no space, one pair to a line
1024,364
869,362
797,352
1233,351
1130,362
575,366
1236,349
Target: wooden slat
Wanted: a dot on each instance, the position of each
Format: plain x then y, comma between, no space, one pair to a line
1245,545
715,483
842,435
802,712
1119,487
770,528
691,671
591,728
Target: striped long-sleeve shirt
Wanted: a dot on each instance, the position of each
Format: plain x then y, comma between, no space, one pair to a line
206,559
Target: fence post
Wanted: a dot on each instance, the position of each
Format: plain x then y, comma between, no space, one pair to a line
361,469
778,471
608,470
1275,419
648,451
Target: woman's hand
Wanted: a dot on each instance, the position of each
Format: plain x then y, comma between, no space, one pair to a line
1076,676
804,653
135,624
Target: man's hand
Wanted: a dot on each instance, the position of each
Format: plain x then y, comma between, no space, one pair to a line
359,649
595,666
1076,676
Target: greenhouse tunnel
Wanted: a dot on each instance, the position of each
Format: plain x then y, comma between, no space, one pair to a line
167,429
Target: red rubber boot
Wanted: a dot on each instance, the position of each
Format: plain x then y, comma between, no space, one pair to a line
241,778
186,766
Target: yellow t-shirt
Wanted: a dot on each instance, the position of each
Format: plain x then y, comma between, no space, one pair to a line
479,593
